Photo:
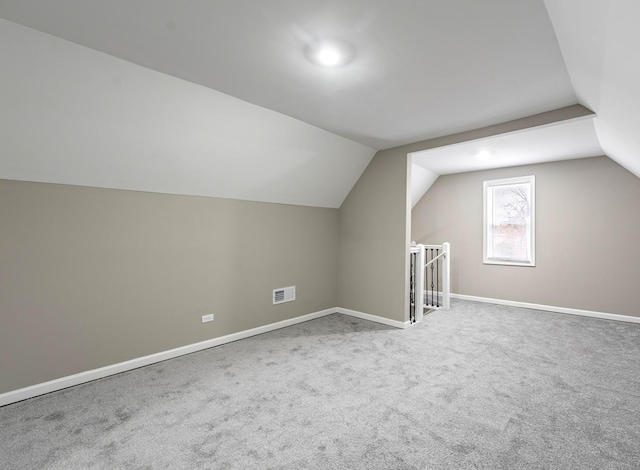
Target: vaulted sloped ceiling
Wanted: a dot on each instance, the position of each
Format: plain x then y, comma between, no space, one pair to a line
599,40
72,115
218,98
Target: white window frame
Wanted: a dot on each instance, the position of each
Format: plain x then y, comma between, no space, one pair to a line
487,216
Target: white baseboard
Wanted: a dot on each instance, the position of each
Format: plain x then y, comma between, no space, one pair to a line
82,377
374,318
550,308
94,374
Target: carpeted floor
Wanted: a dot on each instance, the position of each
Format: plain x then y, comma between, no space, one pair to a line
476,387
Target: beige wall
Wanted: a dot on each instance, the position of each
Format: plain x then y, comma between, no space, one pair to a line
91,277
374,239
587,236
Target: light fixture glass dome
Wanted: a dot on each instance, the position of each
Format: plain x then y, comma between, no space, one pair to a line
331,53
328,56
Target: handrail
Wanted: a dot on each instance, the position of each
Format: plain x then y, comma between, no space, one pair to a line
425,277
434,259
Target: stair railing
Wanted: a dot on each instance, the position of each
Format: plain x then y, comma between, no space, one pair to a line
430,279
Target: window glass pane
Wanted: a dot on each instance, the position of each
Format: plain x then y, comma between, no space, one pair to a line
509,221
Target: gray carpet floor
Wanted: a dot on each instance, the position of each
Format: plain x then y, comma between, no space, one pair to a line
476,387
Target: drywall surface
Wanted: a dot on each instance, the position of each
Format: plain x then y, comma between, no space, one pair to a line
598,42
587,233
73,115
374,239
91,277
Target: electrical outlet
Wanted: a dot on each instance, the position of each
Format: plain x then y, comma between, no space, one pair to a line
207,318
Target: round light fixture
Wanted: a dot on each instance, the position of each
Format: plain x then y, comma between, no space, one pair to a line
484,154
328,56
332,53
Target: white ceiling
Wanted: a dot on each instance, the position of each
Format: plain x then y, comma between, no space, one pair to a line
420,70
560,141
599,40
564,140
72,115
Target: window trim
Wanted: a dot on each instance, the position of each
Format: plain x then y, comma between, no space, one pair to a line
531,179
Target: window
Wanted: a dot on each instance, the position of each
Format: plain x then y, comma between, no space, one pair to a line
509,216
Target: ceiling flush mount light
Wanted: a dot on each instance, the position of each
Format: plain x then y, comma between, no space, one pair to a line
329,53
328,56
483,154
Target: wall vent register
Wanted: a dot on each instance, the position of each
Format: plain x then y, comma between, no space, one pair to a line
284,294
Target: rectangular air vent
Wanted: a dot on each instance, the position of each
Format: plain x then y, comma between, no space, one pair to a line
284,294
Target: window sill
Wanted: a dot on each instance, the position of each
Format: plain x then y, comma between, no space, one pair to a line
511,263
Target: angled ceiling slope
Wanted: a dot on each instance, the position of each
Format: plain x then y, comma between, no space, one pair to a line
562,134
73,115
599,42
419,69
